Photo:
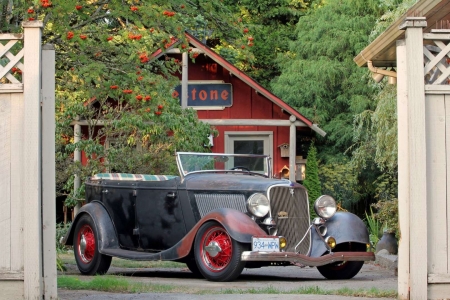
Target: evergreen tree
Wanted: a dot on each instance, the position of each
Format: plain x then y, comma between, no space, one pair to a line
271,25
319,77
312,182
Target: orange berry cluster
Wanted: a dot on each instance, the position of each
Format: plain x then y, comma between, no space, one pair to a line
136,37
169,13
46,3
143,57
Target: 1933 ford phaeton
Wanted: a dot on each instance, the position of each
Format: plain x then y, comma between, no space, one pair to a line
223,213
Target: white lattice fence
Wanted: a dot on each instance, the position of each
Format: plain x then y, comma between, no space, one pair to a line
437,57
27,166
11,66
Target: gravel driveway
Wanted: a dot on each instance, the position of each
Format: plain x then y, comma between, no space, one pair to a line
280,278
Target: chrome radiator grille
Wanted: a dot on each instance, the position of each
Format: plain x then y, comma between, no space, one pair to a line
210,202
291,214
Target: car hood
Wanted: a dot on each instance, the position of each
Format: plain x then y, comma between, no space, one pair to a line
227,182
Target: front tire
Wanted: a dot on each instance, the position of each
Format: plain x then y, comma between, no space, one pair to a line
217,254
343,269
85,247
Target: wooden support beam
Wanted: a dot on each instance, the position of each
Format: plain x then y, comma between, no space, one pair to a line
251,122
418,247
48,172
292,147
31,184
403,172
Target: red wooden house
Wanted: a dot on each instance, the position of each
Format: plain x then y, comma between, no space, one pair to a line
249,118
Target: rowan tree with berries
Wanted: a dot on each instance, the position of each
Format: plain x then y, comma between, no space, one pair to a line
107,79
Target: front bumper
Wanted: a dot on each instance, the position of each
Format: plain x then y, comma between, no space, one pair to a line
306,260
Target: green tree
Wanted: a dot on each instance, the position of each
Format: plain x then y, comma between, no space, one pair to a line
270,25
312,182
319,77
375,133
106,78
340,180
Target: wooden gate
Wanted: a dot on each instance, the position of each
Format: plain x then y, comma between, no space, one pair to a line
27,166
423,94
436,51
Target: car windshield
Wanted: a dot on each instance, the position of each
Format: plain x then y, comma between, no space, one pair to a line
198,162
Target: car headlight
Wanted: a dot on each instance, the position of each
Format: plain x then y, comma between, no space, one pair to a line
258,205
325,206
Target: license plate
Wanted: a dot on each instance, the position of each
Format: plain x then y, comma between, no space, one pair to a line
266,244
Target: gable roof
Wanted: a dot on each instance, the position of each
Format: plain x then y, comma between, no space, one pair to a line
245,78
382,51
252,83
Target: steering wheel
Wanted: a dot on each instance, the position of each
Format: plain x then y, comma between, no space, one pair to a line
240,167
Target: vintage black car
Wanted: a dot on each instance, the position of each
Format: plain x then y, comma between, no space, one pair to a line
223,213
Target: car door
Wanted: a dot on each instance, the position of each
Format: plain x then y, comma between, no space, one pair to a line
159,215
118,199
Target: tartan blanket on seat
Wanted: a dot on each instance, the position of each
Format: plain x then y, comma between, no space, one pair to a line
135,177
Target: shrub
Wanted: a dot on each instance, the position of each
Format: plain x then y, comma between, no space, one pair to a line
61,230
387,214
375,229
312,181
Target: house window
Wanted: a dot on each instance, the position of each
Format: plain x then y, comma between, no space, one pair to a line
248,142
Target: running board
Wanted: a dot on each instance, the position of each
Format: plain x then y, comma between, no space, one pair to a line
135,255
306,260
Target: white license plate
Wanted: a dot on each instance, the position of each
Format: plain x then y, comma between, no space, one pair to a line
266,244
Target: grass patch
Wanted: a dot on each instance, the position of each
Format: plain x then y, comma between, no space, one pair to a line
117,284
68,258
112,284
315,290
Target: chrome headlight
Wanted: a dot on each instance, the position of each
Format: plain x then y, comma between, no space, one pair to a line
325,206
258,205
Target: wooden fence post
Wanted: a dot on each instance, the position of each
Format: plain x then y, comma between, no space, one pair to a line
31,184
403,172
417,156
48,172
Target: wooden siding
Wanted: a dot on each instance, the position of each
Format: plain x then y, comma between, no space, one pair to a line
21,169
5,180
437,181
438,196
247,104
11,219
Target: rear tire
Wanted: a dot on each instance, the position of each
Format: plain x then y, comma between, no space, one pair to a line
222,264
85,248
343,269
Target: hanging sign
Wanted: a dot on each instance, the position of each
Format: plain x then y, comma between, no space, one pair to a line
207,94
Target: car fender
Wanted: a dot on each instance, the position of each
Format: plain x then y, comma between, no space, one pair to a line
344,227
238,225
107,233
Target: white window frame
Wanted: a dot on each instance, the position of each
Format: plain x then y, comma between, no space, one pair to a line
231,136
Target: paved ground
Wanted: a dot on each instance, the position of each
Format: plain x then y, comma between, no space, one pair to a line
281,278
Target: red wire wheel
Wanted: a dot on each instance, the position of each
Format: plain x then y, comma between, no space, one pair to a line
86,244
218,237
217,254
